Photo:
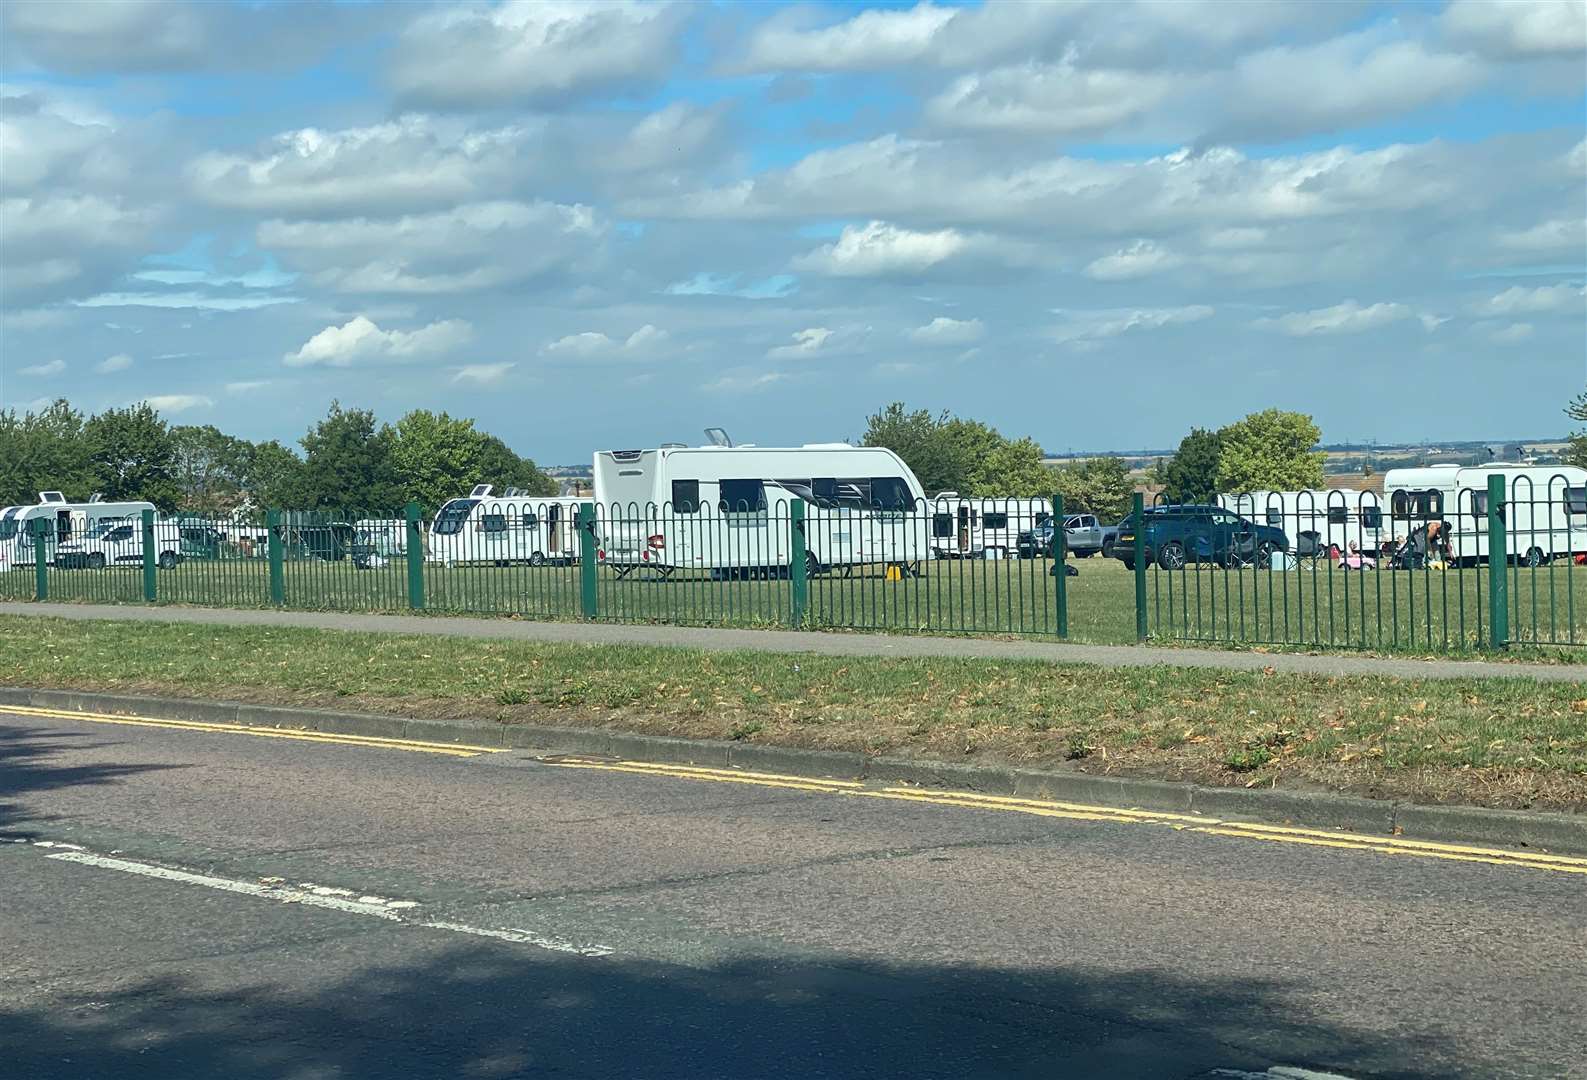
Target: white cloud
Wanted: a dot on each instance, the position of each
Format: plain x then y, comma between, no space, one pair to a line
592,344
880,249
112,364
868,40
54,367
1513,334
34,319
1431,322
1519,299
806,343
1558,234
247,386
1084,329
1347,317
706,283
1518,28
1140,259
742,381
363,340
945,331
1058,99
483,374
175,403
533,50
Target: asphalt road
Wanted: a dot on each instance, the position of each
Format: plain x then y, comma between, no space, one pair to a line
245,907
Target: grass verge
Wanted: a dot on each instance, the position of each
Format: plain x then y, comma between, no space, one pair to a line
1492,741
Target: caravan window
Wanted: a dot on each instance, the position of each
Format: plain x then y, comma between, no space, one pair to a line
995,519
1275,516
742,496
493,523
942,525
686,496
1338,515
1479,504
1576,500
1372,517
452,516
891,493
530,519
1419,504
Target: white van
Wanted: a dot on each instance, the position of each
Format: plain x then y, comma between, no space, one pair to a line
1317,522
491,530
72,526
727,509
1546,507
982,528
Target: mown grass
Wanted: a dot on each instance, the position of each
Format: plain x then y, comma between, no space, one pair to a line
1311,607
1492,741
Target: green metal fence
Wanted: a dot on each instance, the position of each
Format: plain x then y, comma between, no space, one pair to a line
1337,570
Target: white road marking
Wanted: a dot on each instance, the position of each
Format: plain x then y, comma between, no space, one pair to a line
336,899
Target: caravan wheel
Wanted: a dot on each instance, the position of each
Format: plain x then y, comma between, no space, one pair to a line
168,560
96,561
1535,558
538,558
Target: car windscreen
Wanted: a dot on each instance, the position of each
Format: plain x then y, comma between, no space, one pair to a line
452,516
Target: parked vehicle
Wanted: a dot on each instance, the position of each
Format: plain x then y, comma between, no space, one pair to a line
1318,523
67,521
1181,534
485,529
1545,508
727,508
1084,536
119,541
979,528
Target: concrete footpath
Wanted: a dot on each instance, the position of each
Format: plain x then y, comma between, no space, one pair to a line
829,643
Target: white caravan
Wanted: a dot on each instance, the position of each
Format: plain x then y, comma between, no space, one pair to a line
1546,515
727,509
982,528
491,530
69,524
1317,522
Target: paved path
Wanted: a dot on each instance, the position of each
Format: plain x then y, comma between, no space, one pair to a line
252,907
836,644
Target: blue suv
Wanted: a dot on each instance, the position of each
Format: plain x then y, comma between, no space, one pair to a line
1176,535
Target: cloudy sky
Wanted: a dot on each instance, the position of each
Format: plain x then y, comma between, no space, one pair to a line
597,225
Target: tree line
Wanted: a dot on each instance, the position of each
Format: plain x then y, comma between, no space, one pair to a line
1268,450
345,461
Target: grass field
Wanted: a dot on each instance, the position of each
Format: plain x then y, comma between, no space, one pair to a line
1492,741
1317,606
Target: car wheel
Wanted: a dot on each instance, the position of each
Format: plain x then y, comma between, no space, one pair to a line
1172,557
96,561
1264,554
537,559
1535,558
812,564
167,560
1129,564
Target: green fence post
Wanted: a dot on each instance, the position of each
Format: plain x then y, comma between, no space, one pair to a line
1060,567
150,584
41,556
798,561
1498,563
415,549
278,581
1138,520
589,602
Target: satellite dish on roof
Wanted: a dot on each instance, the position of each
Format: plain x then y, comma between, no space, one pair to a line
718,436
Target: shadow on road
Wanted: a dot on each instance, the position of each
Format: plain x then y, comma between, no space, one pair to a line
484,1011
25,766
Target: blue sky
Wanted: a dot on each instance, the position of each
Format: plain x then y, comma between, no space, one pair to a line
596,225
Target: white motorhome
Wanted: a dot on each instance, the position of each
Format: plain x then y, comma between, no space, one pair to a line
981,528
1317,522
70,525
1545,515
491,530
727,509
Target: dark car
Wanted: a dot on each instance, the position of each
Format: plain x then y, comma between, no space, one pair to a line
1176,535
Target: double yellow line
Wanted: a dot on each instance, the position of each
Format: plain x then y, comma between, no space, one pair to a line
1382,845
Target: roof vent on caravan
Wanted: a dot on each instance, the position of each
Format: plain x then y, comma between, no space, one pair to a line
718,436
626,455
96,497
481,491
51,497
674,446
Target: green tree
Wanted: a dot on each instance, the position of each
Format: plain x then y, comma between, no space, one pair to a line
275,477
211,468
43,451
498,464
1270,451
1191,475
1100,486
133,455
921,439
347,464
435,456
948,453
1576,450
1014,469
